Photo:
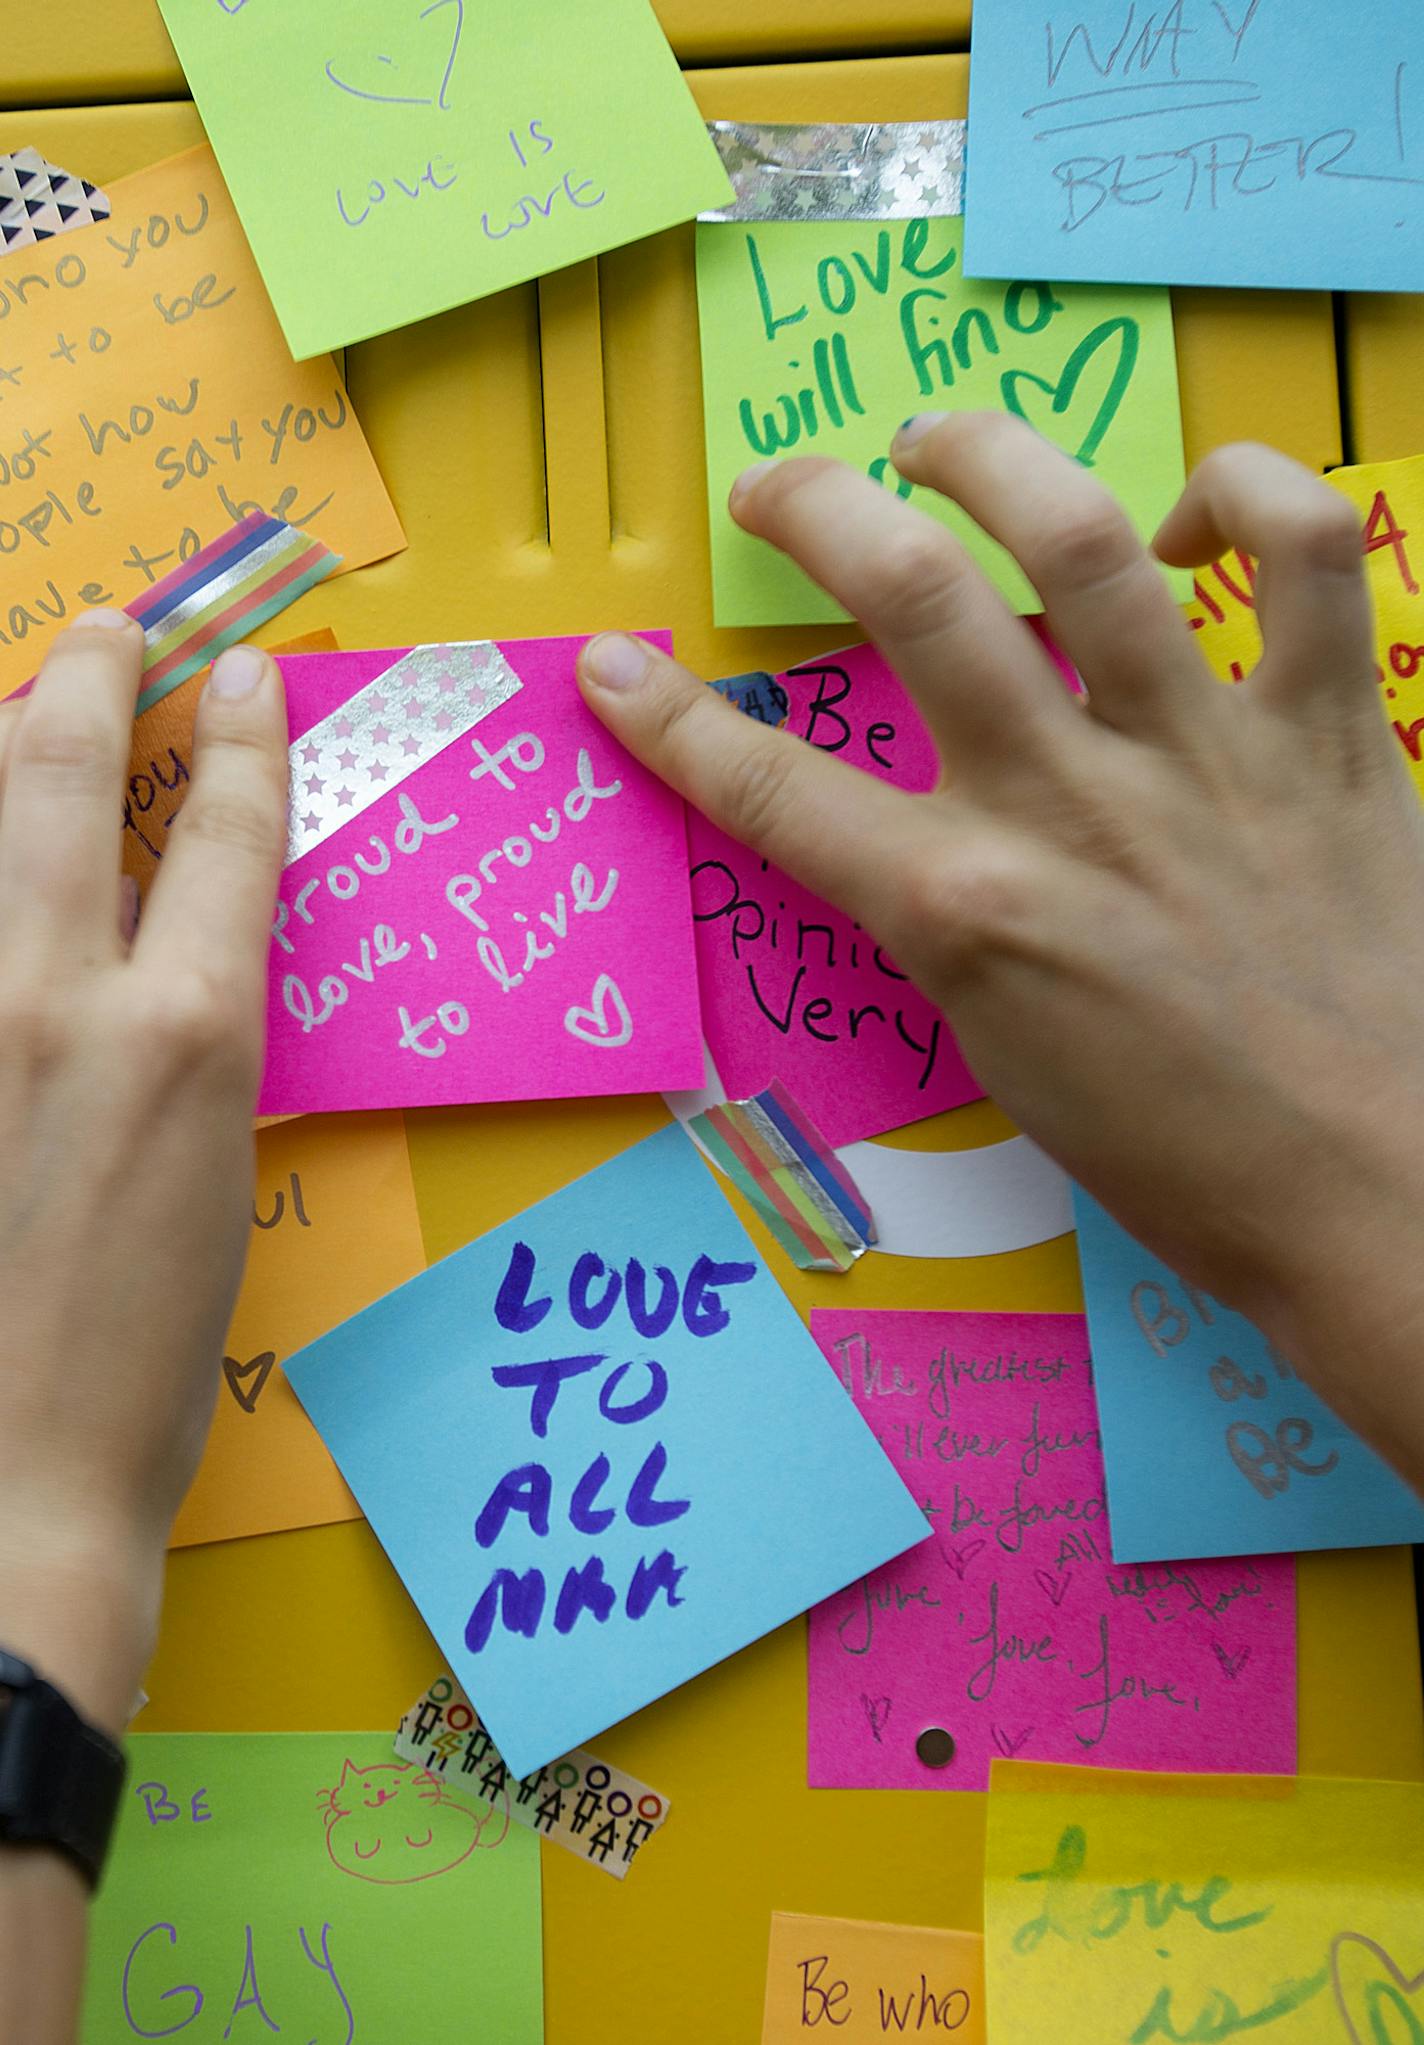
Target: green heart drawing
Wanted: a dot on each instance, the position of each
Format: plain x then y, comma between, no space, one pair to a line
1379,2003
1124,332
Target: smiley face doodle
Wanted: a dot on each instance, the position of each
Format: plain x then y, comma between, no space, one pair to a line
408,79
392,1822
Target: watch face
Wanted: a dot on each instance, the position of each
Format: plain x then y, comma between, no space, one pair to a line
14,1674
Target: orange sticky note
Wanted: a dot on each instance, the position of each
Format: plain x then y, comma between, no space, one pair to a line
148,401
161,760
334,1228
848,1979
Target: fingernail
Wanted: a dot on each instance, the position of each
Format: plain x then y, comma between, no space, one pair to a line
237,672
917,427
106,621
749,478
615,661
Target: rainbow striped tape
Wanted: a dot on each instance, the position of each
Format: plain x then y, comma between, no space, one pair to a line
775,1155
230,587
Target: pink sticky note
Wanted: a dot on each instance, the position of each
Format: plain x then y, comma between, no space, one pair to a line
486,897
1009,1628
793,989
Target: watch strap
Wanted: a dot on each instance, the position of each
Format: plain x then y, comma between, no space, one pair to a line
60,1778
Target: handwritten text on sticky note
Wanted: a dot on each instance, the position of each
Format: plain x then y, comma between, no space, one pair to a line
149,402
858,1981
1010,1629
1198,1907
334,1226
485,897
547,1432
431,154
310,1886
1272,142
793,989
1389,497
1261,1462
822,339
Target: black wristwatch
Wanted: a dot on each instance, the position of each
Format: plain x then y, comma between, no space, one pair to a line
59,1777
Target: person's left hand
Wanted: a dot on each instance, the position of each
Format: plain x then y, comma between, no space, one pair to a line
129,1066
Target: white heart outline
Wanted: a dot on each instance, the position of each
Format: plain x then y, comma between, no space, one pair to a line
604,987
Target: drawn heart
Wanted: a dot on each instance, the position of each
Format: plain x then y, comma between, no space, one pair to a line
877,1710
417,76
1370,1988
258,1368
959,1559
1052,1586
1008,1744
591,1025
1122,331
1231,1664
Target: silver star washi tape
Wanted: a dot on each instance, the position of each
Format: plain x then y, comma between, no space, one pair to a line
879,170
387,731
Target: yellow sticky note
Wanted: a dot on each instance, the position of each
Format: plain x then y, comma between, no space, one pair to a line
1389,497
1146,1909
843,1978
148,401
334,1228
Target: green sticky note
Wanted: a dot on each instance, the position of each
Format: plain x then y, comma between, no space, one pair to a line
390,159
310,1886
821,339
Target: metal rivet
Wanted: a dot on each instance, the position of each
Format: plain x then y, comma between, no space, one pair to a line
935,1747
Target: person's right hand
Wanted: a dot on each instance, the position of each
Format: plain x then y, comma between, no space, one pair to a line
1177,926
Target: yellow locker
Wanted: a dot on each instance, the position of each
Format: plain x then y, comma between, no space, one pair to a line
545,451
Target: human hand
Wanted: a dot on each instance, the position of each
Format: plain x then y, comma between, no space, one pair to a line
129,1066
1176,927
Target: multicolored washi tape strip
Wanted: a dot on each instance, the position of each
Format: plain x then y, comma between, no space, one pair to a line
596,1811
757,695
773,1153
230,587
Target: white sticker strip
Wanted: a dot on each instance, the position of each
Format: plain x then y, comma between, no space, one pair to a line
387,731
877,170
596,1811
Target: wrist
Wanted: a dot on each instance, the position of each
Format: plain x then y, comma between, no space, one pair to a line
1343,1300
80,1603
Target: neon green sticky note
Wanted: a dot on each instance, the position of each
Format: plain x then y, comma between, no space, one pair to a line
311,1885
392,158
820,338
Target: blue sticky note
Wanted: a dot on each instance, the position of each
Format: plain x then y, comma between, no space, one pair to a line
602,1450
1275,142
1213,1445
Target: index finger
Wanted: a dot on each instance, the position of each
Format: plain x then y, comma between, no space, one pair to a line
210,910
830,826
988,691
